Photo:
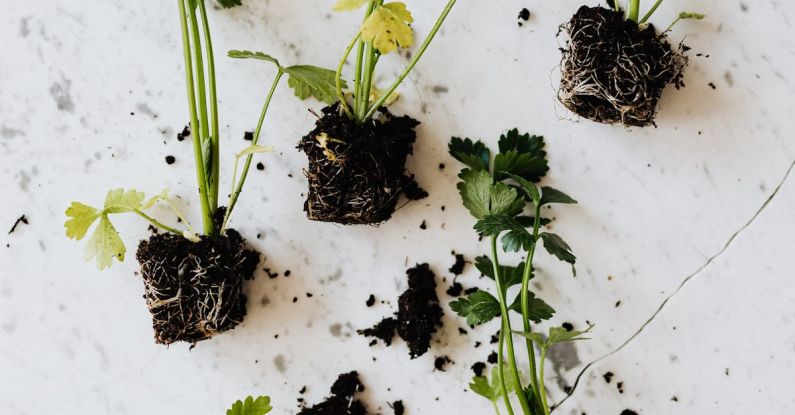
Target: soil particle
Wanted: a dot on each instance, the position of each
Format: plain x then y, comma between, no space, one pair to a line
260,166
458,266
370,300
628,412
21,219
384,330
620,387
398,408
195,290
608,376
423,225
567,326
248,136
478,368
441,362
419,314
470,291
455,289
170,160
614,71
413,191
341,401
492,358
356,172
524,16
184,134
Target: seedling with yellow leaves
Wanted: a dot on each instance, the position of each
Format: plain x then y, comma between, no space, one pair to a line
193,277
358,149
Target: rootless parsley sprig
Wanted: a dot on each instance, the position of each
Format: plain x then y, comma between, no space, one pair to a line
496,191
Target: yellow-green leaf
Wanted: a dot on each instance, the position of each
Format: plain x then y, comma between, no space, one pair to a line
151,202
105,244
82,217
254,149
345,5
118,201
388,27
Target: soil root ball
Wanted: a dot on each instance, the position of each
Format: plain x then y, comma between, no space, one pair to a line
613,71
195,290
356,172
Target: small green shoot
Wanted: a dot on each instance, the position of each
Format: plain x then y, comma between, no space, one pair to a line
251,406
386,28
633,13
497,190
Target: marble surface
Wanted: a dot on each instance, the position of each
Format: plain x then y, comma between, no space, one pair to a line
683,232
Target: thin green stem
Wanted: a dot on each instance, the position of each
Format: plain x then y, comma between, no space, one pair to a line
413,62
672,25
496,409
214,137
361,53
201,94
338,76
233,196
651,11
501,372
207,216
541,386
525,302
634,10
157,223
367,80
506,328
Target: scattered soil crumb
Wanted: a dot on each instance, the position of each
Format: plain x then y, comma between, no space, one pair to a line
341,401
419,314
260,166
440,362
608,376
184,134
567,326
478,368
248,136
398,408
170,160
371,300
628,412
458,266
423,225
492,358
455,289
524,16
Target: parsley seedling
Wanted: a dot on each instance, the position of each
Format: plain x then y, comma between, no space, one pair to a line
251,406
497,191
105,243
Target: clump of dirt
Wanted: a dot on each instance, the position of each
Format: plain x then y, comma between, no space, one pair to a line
614,71
341,401
356,172
398,408
419,314
195,290
458,267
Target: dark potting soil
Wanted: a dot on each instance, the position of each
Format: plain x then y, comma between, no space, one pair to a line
398,408
455,289
341,401
628,412
478,368
458,266
614,71
356,172
419,314
195,290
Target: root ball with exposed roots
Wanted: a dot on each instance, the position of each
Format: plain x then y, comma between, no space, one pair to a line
357,171
614,71
195,290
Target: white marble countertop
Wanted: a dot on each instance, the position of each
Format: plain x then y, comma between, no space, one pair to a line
682,233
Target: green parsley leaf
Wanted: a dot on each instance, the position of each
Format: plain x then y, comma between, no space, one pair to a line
522,155
346,5
691,15
492,225
561,335
251,406
82,217
478,308
530,188
552,195
492,389
388,27
312,81
475,190
247,54
121,201
538,310
229,3
518,239
505,200
105,244
556,246
474,154
510,275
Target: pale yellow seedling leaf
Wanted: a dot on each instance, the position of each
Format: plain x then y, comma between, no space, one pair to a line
254,149
119,200
323,140
375,95
346,5
105,244
388,27
81,217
